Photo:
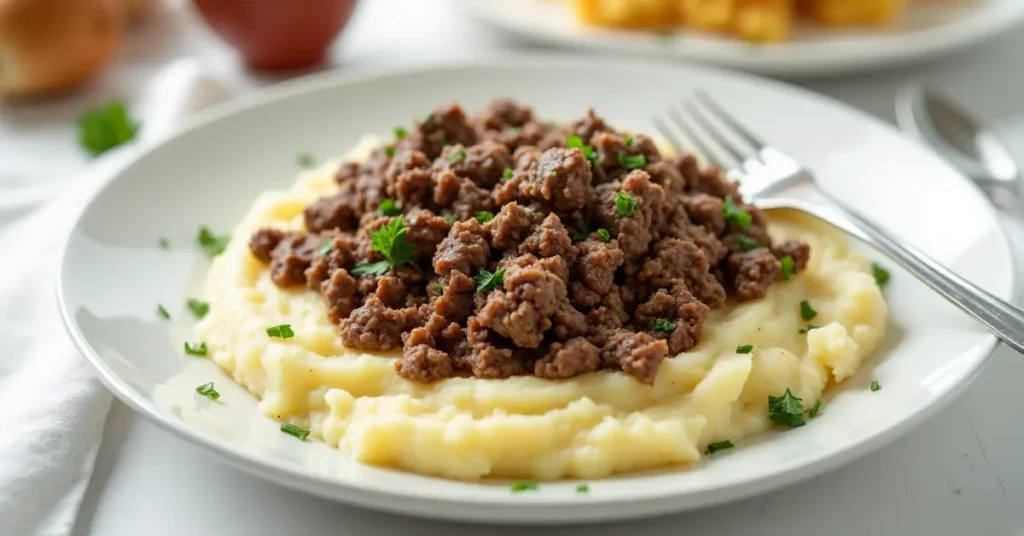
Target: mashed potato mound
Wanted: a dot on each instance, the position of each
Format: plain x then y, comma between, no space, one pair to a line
588,426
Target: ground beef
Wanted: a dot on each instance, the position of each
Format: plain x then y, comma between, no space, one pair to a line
565,360
752,272
518,254
464,249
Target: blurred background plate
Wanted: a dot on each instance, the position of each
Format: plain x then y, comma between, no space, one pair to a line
924,31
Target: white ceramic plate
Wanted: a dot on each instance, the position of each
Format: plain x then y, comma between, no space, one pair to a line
924,31
113,274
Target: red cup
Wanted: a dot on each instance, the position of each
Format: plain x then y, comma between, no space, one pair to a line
275,35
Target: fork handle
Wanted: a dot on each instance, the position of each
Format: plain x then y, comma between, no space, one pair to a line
1004,319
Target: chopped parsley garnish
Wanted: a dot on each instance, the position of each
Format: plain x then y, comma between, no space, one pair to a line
325,248
552,173
198,307
526,485
810,327
734,214
582,232
719,445
746,243
486,280
208,391
293,430
573,141
163,243
199,349
400,132
583,488
390,241
213,244
449,219
162,312
105,127
284,331
305,160
813,412
483,216
438,288
443,140
632,161
604,234
371,268
745,349
629,141
506,174
806,311
786,409
787,267
390,151
457,155
625,204
388,207
662,325
881,274
875,386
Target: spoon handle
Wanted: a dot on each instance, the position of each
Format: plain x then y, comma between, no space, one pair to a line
1004,319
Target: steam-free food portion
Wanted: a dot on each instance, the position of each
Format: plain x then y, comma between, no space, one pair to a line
497,295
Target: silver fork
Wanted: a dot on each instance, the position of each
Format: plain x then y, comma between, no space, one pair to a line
773,179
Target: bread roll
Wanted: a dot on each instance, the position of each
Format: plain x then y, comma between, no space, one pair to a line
52,45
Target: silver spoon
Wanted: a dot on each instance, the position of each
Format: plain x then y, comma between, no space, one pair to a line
935,120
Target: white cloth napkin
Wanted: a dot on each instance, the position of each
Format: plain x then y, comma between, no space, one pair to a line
52,408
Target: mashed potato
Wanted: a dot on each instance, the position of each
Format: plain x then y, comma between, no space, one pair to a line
526,427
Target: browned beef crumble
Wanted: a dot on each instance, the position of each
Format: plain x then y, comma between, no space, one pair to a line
579,283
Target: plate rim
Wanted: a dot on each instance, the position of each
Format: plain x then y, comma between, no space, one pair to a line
905,47
491,509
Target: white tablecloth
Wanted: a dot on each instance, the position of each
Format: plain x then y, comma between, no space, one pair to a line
959,473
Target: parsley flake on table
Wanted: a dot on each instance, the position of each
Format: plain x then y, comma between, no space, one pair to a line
786,409
284,331
582,489
746,243
806,311
208,391
719,446
875,386
388,207
483,216
787,267
105,127
881,274
632,161
198,307
745,349
506,174
486,281
400,133
662,325
813,412
163,243
736,215
305,160
293,430
604,234
199,349
390,242
457,155
162,312
213,244
525,485
573,141
625,204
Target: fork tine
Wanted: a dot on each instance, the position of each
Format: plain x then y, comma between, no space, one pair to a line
698,141
713,131
729,120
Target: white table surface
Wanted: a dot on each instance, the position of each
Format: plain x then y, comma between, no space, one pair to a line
960,473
